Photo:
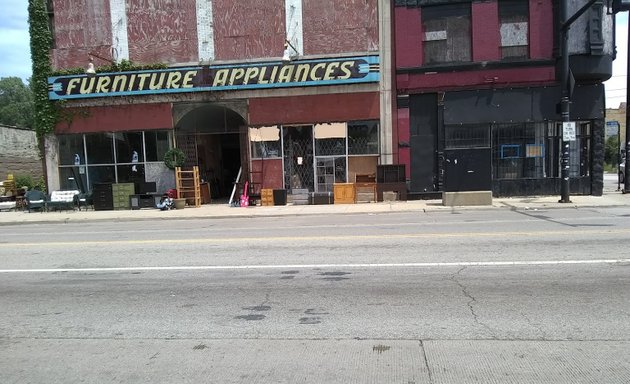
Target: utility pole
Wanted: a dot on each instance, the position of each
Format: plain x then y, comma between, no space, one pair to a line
568,129
626,182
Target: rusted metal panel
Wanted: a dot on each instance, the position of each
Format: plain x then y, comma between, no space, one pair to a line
267,172
163,31
314,108
332,27
116,118
80,26
248,29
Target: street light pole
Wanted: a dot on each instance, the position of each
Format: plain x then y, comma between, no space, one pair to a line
626,183
565,100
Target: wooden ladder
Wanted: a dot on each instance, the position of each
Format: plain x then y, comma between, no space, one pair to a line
188,185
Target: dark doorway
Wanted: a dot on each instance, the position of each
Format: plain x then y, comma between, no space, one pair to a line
210,136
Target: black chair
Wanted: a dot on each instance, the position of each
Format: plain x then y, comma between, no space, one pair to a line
35,200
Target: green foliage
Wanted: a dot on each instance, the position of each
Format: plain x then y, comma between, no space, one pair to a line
123,66
27,181
174,157
41,43
611,151
16,103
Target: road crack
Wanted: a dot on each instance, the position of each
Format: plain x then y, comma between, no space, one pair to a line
471,300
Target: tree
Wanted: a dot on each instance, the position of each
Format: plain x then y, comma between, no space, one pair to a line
16,103
611,151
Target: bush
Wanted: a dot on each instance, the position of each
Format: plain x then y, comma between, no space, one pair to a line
28,182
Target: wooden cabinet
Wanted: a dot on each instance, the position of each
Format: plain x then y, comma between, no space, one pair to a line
120,195
344,193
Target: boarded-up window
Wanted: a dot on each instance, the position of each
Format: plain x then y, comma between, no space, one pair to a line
514,25
446,33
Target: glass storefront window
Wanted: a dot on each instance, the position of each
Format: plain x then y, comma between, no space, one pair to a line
130,173
99,148
71,150
101,174
363,138
129,147
156,144
265,142
330,139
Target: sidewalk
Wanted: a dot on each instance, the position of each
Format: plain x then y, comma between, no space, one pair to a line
609,199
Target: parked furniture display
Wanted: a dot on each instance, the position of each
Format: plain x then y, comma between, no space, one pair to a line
365,187
102,196
206,195
391,178
121,193
149,200
344,193
188,185
35,200
84,200
321,198
279,197
266,197
61,200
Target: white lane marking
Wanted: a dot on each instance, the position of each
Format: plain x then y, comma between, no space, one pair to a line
323,266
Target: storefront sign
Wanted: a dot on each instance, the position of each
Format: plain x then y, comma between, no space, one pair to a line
217,78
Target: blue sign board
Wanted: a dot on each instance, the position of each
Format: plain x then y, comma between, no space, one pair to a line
302,73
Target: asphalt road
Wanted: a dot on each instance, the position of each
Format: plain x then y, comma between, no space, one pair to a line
467,296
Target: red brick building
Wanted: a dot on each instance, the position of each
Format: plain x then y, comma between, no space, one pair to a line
288,90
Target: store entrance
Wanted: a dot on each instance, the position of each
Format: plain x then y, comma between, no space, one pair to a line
210,137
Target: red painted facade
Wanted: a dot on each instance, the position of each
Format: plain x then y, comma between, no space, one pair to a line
331,27
540,29
486,38
116,118
475,79
314,108
408,31
248,29
162,31
80,27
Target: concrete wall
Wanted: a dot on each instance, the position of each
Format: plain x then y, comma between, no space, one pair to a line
18,152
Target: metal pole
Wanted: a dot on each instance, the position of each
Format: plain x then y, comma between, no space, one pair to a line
626,183
564,101
618,155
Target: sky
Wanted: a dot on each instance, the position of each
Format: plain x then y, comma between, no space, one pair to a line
16,56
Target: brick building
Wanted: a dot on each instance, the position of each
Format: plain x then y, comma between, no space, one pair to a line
302,94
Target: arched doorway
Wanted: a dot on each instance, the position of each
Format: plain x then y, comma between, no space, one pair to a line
211,136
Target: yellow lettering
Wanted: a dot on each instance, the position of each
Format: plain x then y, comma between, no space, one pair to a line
220,78
301,72
317,68
188,78
261,76
87,86
286,73
251,73
142,77
346,68
119,83
237,74
72,84
102,86
330,71
159,83
132,80
173,80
